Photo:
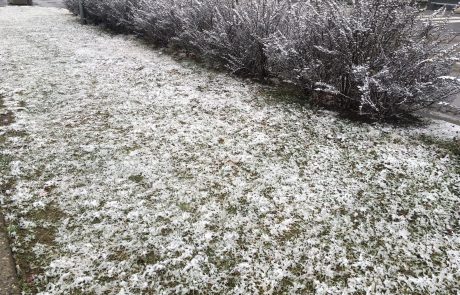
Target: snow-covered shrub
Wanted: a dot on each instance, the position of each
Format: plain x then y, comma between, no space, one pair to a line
116,14
197,17
375,57
234,32
159,21
72,5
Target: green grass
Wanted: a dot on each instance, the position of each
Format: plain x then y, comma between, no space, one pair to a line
451,146
136,178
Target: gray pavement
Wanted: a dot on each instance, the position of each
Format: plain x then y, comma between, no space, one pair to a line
456,71
42,3
8,277
49,3
453,26
456,101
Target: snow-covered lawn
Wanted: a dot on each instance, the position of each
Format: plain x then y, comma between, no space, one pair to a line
138,174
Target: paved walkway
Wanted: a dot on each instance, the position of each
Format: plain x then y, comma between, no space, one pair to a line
41,3
449,112
49,3
456,71
8,281
456,102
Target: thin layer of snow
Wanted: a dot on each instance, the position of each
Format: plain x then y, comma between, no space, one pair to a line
441,130
171,179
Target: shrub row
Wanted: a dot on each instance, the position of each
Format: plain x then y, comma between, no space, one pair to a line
381,58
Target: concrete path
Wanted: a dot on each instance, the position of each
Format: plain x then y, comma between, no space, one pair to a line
8,281
449,112
49,3
41,3
456,102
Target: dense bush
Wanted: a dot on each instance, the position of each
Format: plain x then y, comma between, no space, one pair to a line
159,21
376,57
234,33
117,14
373,57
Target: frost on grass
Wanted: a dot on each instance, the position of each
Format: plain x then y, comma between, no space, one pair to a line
169,179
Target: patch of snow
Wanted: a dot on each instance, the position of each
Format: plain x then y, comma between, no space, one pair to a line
172,179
